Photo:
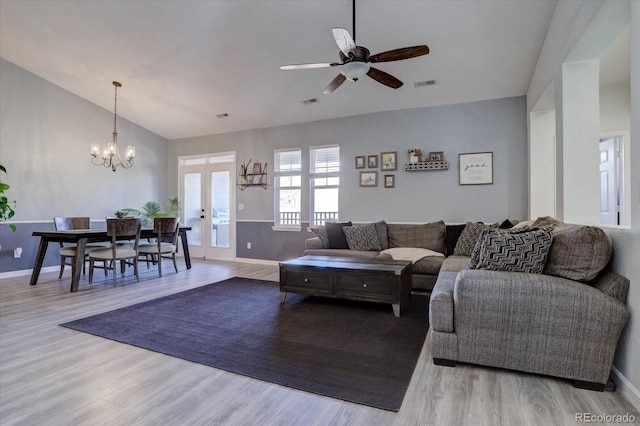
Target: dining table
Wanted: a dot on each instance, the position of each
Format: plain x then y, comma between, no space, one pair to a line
81,237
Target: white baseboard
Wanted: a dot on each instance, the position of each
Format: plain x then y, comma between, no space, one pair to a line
627,388
24,272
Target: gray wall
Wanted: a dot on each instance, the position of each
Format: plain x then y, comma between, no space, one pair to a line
45,138
570,21
419,196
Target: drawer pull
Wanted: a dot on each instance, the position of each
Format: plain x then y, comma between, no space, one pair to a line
364,285
306,280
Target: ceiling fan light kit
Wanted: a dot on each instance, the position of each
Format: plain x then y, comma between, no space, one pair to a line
356,59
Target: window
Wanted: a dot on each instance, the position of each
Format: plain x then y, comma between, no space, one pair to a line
287,180
325,181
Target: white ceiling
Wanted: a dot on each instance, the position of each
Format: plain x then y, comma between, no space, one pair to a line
183,62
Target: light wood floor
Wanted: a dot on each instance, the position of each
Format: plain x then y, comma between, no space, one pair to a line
50,375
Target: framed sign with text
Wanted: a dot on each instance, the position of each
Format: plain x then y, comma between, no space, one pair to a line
476,168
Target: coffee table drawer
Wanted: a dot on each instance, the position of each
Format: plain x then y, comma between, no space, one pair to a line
381,286
309,279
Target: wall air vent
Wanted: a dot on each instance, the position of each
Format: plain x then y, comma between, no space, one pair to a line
223,115
425,83
310,101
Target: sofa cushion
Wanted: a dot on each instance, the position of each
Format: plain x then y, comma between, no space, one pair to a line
429,236
515,252
452,235
321,233
362,237
578,252
335,234
469,237
383,238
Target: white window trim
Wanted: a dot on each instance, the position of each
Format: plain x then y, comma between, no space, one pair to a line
276,205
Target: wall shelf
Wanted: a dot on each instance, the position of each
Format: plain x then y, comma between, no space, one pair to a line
253,180
427,165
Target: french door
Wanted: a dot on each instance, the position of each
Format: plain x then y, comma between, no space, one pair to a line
207,186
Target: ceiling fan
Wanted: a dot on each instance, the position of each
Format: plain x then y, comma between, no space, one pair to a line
355,60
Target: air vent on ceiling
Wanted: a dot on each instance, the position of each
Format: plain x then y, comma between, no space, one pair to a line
223,115
425,83
310,101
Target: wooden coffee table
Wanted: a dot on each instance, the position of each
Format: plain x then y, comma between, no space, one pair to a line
382,281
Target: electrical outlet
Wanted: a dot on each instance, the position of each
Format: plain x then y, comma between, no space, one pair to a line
17,253
249,245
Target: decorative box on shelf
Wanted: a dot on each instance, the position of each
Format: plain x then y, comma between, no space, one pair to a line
427,165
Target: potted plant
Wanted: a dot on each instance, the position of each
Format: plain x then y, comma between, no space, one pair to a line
244,172
6,206
151,209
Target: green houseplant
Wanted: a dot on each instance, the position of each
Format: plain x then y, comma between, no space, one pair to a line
151,209
6,206
244,172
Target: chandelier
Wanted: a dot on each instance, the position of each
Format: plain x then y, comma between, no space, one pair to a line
110,157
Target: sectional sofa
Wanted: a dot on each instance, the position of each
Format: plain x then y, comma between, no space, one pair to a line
536,297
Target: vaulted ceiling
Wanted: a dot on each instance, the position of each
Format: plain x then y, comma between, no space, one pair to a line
182,63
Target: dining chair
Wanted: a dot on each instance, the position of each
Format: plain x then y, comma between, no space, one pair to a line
68,251
166,230
118,228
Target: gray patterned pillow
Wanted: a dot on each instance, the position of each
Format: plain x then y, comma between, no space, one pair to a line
321,233
362,237
469,238
475,254
516,252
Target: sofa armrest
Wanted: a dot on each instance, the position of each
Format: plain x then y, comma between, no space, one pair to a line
538,323
313,244
612,284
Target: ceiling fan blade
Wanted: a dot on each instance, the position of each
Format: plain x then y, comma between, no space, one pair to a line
399,54
344,40
384,78
309,66
335,83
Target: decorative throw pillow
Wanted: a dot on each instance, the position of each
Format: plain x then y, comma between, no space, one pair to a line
516,252
321,233
429,236
383,238
475,254
451,237
362,237
469,238
335,235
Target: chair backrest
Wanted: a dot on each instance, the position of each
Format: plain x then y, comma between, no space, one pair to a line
166,227
71,223
126,227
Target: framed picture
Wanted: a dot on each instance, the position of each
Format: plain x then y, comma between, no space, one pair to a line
257,168
389,160
389,181
360,162
476,168
369,179
372,161
436,156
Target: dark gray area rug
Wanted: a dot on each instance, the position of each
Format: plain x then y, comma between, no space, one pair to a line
354,351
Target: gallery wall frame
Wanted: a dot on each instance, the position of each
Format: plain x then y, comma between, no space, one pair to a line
368,179
389,161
